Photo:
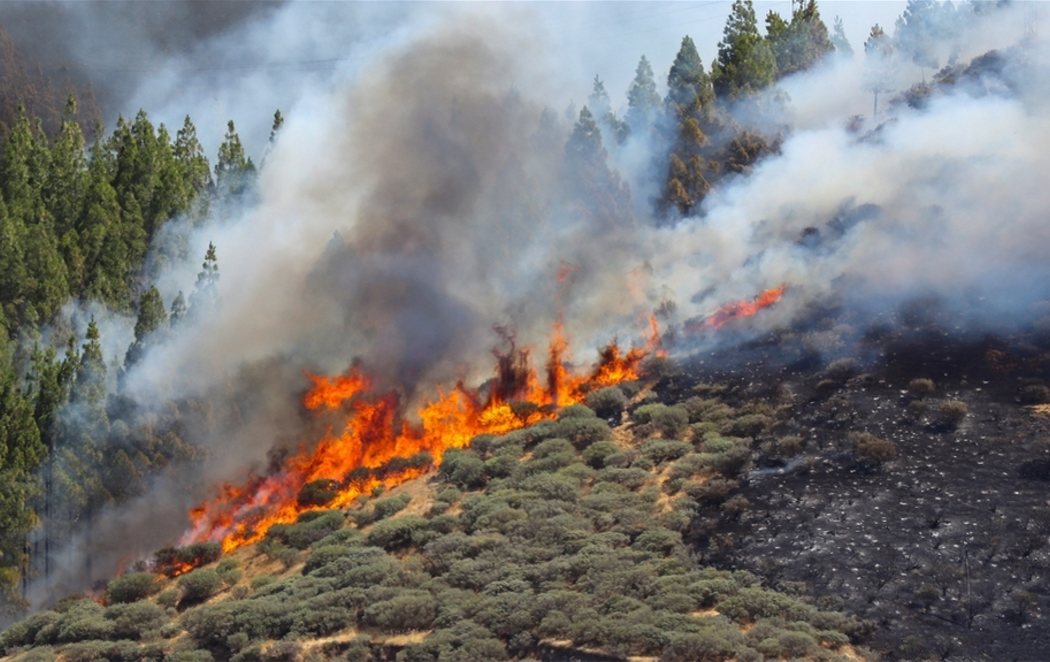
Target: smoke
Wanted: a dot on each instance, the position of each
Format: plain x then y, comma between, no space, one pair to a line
419,198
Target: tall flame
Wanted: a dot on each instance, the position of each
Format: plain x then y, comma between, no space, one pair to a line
376,435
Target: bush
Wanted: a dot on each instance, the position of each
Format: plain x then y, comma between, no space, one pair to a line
872,450
748,425
318,492
396,466
608,402
24,632
199,585
582,432
399,533
596,454
172,560
230,571
663,450
950,414
408,610
215,626
920,387
750,604
308,529
576,411
840,370
463,468
384,508
131,587
138,620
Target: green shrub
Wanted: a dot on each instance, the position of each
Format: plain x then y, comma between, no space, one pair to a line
386,507
663,450
111,651
408,610
576,411
608,402
137,620
658,541
463,468
311,527
596,454
82,620
750,604
399,533
213,626
131,587
748,425
199,585
24,632
632,478
582,432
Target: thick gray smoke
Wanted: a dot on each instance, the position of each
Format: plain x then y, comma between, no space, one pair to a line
420,200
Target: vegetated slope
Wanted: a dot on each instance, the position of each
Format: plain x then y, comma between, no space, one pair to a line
563,540
909,490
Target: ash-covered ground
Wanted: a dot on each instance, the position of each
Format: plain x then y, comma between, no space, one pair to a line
944,548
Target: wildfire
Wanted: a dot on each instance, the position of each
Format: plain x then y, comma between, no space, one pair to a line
377,446
736,310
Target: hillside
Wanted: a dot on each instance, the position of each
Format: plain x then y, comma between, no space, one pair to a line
562,540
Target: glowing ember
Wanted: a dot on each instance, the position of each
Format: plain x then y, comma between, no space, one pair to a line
377,447
736,310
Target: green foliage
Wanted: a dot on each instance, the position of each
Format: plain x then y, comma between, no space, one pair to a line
131,587
399,533
408,610
199,585
664,450
138,620
745,61
309,528
463,468
596,191
801,43
643,101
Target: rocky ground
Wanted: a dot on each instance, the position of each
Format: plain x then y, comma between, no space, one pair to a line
945,548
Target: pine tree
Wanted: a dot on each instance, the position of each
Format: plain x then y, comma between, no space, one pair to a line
278,122
690,102
178,309
90,386
878,51
193,164
151,317
234,170
67,175
918,31
596,190
839,40
601,108
643,102
801,43
205,292
745,61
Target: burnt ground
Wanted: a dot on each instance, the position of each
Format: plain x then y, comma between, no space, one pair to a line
945,549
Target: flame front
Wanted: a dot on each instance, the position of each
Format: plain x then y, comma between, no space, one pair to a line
375,434
736,310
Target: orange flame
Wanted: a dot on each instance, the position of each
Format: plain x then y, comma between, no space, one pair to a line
737,310
374,446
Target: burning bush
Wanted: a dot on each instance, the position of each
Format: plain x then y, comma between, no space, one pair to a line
173,561
318,492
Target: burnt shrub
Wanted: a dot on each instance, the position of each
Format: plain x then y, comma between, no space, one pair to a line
711,491
420,462
1035,394
840,370
608,402
308,528
950,415
198,586
131,587
872,451
920,387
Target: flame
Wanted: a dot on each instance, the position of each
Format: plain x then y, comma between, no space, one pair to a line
373,446
736,310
